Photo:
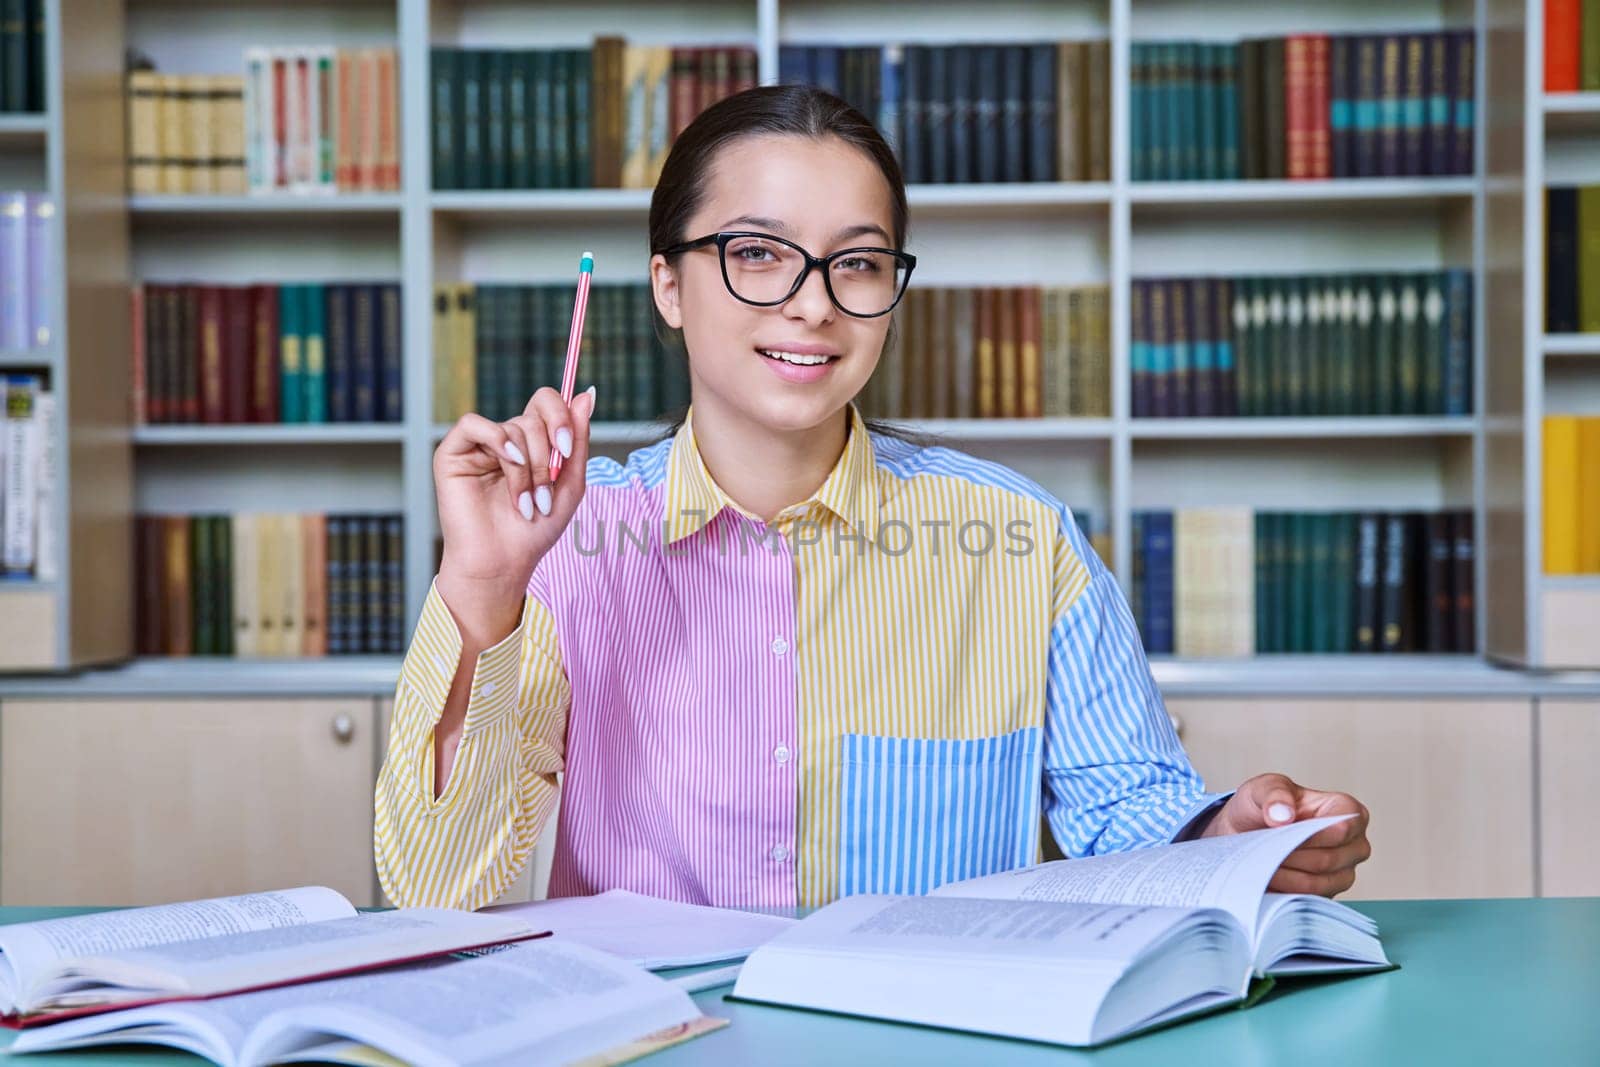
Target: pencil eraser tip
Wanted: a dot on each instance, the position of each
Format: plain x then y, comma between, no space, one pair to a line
587,262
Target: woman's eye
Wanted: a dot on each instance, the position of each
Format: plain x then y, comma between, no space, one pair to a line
753,253
857,264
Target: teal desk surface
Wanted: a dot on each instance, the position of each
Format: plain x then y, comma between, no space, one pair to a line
1481,981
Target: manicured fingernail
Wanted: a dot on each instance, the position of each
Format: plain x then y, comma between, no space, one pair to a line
1280,813
525,505
516,454
541,496
592,400
564,441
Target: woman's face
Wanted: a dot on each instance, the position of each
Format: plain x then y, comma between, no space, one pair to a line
823,195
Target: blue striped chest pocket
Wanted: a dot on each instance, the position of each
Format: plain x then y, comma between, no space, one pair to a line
916,813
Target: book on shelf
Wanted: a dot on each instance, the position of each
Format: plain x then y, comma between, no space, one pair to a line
292,353
1017,352
495,345
1304,106
571,118
1397,343
104,961
27,268
531,1002
1571,472
269,585
1019,111
1571,46
27,479
1071,952
22,67
1572,259
1235,582
305,119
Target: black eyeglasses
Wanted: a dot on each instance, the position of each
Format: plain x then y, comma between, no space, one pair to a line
766,271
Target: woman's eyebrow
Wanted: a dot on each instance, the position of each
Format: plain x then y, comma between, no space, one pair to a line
778,226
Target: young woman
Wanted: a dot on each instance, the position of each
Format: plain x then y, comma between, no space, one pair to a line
778,657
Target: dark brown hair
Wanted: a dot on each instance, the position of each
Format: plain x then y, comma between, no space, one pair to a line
794,110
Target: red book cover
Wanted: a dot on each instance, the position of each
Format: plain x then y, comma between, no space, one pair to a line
280,122
708,81
150,613
209,345
137,342
160,310
313,584
188,392
1562,36
722,66
178,635
1321,133
685,88
236,354
1297,104
344,165
386,64
744,69
264,364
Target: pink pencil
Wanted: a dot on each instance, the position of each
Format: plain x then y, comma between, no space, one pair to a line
569,376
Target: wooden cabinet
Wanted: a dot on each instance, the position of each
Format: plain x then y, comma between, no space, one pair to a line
1569,755
1449,782
115,801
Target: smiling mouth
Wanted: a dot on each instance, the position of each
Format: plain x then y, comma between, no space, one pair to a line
797,359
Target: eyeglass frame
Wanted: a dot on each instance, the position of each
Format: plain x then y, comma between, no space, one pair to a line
722,237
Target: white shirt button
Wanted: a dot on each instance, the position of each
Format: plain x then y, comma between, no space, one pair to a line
779,646
779,853
781,753
486,690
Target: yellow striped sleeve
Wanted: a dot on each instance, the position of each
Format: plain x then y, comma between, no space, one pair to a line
464,848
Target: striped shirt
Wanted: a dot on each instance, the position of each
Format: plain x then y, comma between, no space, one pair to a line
880,690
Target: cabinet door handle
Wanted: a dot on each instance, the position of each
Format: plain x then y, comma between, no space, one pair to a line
344,729
1177,725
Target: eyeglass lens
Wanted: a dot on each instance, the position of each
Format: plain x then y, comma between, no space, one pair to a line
762,270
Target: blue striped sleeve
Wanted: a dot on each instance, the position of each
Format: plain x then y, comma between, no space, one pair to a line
1115,775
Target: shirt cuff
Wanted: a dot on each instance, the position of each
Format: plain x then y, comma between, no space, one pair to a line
1200,817
430,664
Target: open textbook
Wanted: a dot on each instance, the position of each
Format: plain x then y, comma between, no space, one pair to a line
95,962
1073,952
534,1002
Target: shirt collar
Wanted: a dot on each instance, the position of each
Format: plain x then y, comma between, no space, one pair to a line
693,498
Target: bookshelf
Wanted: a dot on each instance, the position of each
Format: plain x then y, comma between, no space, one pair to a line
1541,139
1053,233
78,616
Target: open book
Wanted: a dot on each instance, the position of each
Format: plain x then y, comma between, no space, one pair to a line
1074,952
650,932
91,963
536,1002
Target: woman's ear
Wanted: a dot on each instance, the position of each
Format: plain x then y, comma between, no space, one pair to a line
664,287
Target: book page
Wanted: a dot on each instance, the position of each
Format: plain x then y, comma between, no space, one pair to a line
1229,872
651,932
533,1002
32,949
259,957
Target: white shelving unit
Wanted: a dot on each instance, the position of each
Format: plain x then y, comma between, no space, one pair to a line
1544,139
1051,233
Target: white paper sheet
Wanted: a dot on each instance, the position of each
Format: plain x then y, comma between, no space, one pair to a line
651,932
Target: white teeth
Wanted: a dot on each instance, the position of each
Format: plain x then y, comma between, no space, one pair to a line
798,358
